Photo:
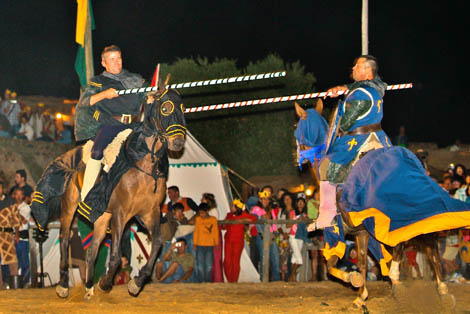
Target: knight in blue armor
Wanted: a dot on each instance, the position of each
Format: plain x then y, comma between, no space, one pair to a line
101,114
356,129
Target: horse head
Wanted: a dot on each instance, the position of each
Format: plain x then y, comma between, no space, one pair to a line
165,115
311,131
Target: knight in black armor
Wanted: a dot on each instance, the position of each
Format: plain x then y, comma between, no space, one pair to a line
101,114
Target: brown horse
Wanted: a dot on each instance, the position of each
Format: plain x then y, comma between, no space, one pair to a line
139,193
358,279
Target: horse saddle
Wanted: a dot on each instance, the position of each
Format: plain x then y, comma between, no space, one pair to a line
111,151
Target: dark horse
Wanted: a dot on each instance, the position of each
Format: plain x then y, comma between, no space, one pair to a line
139,192
357,228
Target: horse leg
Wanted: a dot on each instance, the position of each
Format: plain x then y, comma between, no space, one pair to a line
362,242
397,255
153,225
106,283
354,278
68,206
99,232
432,253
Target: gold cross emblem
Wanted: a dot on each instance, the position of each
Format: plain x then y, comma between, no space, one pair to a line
379,103
352,143
336,229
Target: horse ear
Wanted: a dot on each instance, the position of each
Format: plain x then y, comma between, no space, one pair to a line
161,86
167,79
319,106
300,111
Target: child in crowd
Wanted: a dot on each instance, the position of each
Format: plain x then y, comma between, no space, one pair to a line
206,236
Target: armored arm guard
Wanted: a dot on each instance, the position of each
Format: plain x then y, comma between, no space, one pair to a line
353,110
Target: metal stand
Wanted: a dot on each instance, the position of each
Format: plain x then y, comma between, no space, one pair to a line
41,237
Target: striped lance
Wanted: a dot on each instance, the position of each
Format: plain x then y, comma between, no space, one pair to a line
228,80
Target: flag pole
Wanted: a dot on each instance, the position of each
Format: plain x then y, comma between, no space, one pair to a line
90,71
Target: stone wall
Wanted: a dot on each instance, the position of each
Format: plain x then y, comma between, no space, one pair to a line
33,156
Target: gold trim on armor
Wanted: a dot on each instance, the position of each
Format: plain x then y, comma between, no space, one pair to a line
95,84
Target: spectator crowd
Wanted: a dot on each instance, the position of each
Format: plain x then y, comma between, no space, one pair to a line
37,123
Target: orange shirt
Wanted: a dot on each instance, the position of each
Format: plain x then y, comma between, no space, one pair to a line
206,231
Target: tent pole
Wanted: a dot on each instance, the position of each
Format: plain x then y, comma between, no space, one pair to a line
240,177
233,187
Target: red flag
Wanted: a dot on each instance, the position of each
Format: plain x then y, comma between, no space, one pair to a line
155,75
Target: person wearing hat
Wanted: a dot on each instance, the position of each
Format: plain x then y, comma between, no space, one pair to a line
234,240
264,209
10,108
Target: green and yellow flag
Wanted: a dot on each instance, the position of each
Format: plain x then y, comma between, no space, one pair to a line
83,7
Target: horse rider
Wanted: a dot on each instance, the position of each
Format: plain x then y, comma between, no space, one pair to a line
357,129
101,114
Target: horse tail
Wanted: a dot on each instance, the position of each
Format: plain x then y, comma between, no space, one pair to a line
46,201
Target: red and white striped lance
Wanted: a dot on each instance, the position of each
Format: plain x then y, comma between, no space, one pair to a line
228,80
278,99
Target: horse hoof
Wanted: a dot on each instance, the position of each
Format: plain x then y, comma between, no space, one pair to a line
61,291
103,288
448,301
356,279
359,302
442,288
89,292
133,288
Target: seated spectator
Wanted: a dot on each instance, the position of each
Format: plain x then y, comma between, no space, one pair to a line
456,146
174,196
20,183
123,275
64,135
48,128
26,131
206,236
184,230
176,265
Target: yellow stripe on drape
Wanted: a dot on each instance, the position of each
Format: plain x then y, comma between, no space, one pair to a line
82,8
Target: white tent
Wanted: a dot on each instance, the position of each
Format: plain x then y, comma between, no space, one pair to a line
197,172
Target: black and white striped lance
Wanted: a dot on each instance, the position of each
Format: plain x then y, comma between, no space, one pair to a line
228,80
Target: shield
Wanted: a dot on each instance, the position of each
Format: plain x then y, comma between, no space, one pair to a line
4,123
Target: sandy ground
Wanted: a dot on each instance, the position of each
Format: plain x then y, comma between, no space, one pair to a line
320,297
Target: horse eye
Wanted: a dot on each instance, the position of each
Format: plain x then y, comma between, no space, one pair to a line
167,108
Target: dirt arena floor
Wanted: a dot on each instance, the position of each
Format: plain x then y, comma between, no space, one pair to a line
321,297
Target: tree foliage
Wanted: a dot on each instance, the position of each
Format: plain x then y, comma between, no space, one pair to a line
254,140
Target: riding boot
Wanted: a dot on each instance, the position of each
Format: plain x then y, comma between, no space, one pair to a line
327,210
93,168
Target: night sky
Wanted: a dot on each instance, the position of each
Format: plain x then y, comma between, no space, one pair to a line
415,41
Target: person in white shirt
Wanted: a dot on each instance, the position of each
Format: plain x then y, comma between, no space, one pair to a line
25,131
22,247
